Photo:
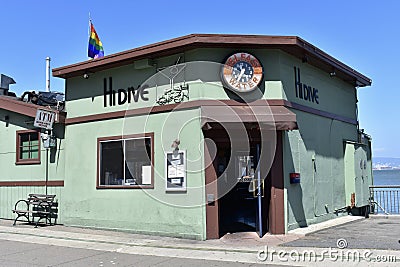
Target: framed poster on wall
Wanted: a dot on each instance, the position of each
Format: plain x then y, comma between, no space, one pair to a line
175,170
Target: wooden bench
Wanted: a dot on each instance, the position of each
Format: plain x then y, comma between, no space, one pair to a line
37,206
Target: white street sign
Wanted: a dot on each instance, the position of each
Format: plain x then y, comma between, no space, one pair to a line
44,119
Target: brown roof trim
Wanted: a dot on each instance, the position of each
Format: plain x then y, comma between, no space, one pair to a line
18,106
199,103
321,113
166,108
290,44
337,66
26,109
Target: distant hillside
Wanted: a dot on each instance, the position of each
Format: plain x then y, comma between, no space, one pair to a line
385,163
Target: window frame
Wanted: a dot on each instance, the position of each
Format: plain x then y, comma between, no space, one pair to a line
122,138
18,160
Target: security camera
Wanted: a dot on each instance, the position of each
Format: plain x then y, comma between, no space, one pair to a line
86,76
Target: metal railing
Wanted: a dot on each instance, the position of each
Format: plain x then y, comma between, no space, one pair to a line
385,199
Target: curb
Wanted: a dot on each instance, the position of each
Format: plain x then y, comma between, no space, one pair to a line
314,228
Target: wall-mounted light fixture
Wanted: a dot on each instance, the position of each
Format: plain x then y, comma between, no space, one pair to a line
175,144
358,84
85,76
332,74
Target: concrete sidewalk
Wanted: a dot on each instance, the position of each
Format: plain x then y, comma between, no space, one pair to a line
377,232
239,247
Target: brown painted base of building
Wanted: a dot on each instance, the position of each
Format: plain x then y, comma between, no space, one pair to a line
58,183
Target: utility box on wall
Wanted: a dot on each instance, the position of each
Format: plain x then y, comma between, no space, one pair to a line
294,178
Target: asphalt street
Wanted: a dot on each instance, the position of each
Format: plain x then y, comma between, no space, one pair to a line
22,254
368,242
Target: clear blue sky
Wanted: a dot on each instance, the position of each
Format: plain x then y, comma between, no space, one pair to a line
363,34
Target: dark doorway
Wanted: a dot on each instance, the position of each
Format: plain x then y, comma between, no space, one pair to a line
240,209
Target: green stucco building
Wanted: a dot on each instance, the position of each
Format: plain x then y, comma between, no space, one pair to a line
196,137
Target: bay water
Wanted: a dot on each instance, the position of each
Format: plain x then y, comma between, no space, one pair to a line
388,198
386,177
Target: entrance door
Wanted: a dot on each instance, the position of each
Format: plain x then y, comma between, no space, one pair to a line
237,203
245,207
357,178
361,180
238,196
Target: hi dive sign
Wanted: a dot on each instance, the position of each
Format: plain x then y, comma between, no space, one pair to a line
303,90
122,96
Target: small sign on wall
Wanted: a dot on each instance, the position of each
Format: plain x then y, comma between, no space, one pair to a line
175,170
44,119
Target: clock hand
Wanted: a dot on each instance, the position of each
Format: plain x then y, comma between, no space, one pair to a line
241,74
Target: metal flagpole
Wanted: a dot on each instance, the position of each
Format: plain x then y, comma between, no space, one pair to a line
89,29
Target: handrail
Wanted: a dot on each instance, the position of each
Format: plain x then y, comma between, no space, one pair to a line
384,186
384,211
386,199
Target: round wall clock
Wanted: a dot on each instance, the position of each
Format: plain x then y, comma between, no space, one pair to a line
242,72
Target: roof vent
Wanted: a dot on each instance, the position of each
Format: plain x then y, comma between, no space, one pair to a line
5,82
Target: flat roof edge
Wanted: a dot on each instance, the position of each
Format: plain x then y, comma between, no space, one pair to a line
365,81
27,109
191,41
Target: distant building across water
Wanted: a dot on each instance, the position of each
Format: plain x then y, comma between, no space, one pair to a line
381,163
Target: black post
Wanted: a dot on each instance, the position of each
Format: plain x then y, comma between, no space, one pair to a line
47,168
259,193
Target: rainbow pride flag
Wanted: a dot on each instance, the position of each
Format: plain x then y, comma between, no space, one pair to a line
95,49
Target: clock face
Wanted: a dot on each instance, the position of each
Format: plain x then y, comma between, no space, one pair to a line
242,72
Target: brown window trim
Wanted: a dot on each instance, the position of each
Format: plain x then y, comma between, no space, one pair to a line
18,160
120,137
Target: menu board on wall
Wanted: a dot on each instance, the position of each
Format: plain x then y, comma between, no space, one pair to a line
175,170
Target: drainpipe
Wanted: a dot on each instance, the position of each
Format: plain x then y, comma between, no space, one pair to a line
358,124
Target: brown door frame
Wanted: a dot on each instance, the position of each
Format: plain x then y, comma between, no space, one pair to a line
277,202
276,213
212,216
